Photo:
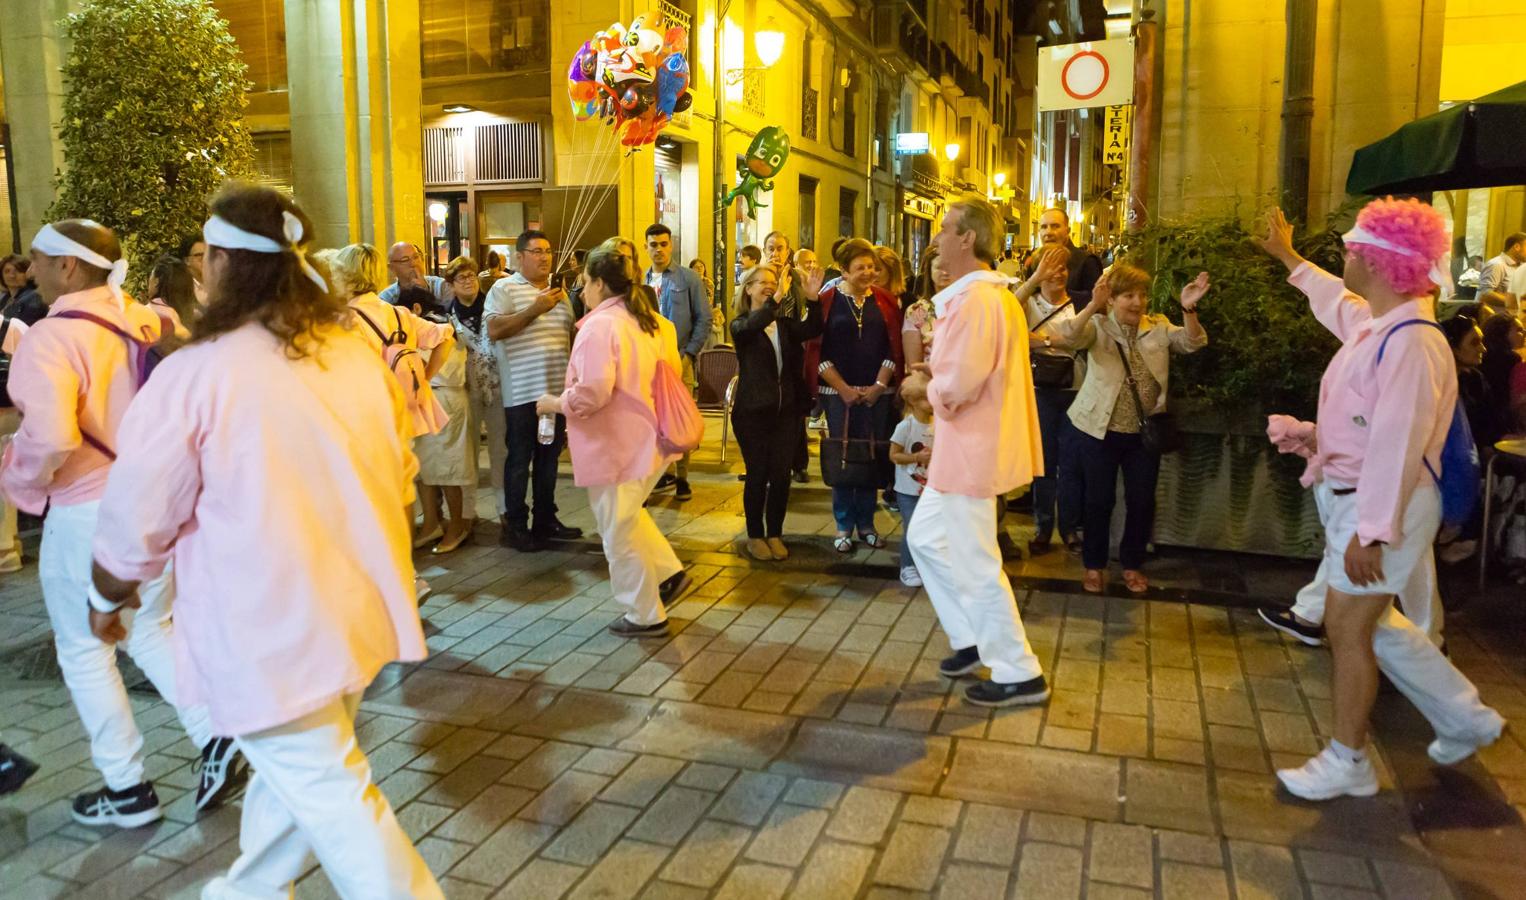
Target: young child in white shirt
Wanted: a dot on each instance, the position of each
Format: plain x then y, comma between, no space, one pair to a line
911,449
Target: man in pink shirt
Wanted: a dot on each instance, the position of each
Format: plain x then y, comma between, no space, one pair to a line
72,380
985,418
269,459
1385,405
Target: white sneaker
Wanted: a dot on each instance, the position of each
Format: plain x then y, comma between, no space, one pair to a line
1448,751
1327,776
910,576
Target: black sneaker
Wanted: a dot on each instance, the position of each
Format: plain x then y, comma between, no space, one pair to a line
132,808
556,531
15,769
802,476
674,587
626,628
1021,693
1008,547
223,772
522,539
681,489
1284,621
962,663
665,482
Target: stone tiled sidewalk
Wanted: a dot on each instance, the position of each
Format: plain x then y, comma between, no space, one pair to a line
792,738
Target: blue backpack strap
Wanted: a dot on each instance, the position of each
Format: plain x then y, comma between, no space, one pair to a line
1405,324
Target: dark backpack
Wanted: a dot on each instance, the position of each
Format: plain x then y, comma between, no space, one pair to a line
145,354
1459,478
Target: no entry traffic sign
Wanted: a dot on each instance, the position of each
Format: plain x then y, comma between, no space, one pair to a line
1096,73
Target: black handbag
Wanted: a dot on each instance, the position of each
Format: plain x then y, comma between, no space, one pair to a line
1051,371
1158,432
854,462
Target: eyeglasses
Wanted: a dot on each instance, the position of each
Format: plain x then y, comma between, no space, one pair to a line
467,278
536,251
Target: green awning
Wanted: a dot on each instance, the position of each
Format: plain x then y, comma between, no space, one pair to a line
1470,145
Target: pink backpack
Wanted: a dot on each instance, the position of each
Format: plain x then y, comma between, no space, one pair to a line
407,365
680,427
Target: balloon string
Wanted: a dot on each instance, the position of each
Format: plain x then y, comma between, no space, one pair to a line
600,195
590,153
599,156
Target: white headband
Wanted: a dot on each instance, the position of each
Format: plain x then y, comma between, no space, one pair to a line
52,242
219,232
1439,273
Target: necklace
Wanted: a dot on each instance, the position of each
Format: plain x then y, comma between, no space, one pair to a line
856,309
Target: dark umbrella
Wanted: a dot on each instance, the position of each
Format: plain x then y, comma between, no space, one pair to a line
1470,145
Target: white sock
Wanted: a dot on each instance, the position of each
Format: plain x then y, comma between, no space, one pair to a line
1346,754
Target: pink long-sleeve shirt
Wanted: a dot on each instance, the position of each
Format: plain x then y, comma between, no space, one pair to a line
611,425
1377,426
981,392
278,488
68,376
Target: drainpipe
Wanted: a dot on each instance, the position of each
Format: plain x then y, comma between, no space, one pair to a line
1142,147
1297,108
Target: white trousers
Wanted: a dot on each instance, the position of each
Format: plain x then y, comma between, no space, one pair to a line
489,411
1405,653
10,548
1420,599
89,665
640,557
955,547
312,794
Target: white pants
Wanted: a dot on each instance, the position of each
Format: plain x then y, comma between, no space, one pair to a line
89,665
10,548
1405,654
312,794
640,557
956,552
489,411
1419,597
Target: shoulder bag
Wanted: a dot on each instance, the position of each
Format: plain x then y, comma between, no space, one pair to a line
1051,370
1158,431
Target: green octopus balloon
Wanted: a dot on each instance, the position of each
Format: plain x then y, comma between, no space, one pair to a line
765,157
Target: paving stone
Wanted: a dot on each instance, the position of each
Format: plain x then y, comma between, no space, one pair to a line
560,802
989,834
1055,829
496,858
642,780
1123,735
1179,881
1100,890
667,890
1168,796
870,756
810,792
755,882
1048,872
1017,726
1264,872
1171,718
788,836
913,857
668,819
931,811
542,878
710,734
1289,733
967,882
706,777
1402,881
863,815
1336,869
834,872
1198,849
544,764
604,762
1122,854
707,854
596,828
622,872
1034,778
1223,707
440,854
483,816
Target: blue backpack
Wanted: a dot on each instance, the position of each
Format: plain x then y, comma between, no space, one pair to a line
1460,477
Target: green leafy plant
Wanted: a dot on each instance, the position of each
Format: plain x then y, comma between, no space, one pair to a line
153,120
1266,352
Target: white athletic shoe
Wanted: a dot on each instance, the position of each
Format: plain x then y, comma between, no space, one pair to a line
1449,751
1327,776
910,576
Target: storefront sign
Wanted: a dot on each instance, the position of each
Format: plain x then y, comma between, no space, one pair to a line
1115,135
912,142
921,206
1095,73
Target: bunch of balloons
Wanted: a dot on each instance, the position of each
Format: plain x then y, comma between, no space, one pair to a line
766,155
634,79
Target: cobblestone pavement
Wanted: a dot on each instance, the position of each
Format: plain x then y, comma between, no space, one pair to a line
792,738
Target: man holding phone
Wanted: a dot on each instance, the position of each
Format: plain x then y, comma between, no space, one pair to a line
530,323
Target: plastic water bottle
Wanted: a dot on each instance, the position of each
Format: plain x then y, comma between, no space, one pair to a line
546,431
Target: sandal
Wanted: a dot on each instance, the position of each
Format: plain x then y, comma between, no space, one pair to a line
1094,581
872,540
424,540
843,543
1135,581
451,543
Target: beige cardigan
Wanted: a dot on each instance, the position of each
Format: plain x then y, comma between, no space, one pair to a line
1158,339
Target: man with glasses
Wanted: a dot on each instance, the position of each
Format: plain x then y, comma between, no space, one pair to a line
407,266
530,322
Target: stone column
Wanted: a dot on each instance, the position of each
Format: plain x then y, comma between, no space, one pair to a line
32,51
356,137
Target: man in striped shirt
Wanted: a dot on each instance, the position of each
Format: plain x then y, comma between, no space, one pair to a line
530,322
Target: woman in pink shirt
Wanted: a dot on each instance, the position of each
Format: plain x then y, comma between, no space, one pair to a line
269,459
612,433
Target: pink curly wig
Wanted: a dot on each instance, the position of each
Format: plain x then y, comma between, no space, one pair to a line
1410,224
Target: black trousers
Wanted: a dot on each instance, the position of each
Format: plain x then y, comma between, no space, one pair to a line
526,452
768,440
1102,461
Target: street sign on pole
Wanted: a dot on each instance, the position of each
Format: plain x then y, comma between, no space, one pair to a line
1078,76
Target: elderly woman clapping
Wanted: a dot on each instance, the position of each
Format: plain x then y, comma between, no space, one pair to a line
1127,376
